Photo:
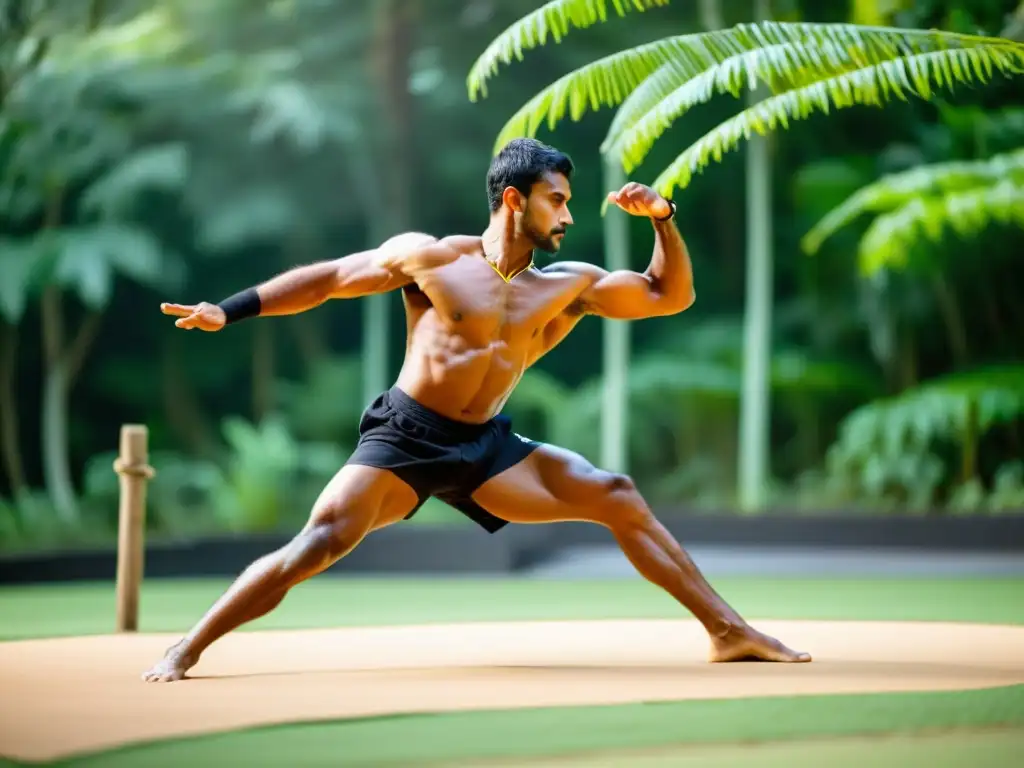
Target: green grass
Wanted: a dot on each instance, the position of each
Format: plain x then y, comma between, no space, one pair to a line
403,741
172,606
959,749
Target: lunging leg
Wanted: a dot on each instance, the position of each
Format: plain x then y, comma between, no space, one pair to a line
357,500
554,485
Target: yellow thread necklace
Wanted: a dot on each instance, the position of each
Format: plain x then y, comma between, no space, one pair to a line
513,275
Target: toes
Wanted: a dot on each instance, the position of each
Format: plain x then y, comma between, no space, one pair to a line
782,653
158,675
759,648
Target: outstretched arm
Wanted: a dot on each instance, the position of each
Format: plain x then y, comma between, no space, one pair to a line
664,288
359,274
302,288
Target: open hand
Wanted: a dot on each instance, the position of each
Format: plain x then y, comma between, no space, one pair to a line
205,317
640,200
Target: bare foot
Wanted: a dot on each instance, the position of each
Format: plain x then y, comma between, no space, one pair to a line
171,667
747,644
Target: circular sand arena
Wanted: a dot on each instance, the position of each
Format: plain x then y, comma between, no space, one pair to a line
75,695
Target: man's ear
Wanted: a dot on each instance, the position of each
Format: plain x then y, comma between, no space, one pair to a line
514,199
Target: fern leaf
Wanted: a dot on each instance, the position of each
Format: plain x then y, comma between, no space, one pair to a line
911,75
937,409
671,91
603,83
891,237
647,74
608,81
552,19
898,189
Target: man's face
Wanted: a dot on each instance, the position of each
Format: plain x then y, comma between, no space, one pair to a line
546,214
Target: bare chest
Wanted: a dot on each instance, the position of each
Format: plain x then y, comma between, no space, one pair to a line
482,308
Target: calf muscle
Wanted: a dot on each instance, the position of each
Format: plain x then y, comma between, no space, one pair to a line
355,502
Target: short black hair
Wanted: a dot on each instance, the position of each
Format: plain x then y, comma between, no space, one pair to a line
520,164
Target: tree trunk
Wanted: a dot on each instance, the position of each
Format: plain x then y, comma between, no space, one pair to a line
615,338
1014,29
754,465
14,467
711,14
54,437
63,363
391,143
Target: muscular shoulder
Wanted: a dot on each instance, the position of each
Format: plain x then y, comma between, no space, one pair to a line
590,274
577,268
415,251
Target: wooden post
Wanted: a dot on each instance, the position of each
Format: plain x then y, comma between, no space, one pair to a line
133,468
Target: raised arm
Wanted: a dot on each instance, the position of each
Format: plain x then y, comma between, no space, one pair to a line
302,288
664,288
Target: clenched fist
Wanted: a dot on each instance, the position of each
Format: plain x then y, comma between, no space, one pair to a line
205,317
640,200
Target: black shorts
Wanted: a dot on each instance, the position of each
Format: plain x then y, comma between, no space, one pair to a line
436,455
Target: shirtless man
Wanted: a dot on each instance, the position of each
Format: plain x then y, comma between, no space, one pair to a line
479,313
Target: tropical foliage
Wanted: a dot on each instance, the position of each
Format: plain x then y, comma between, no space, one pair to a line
171,149
925,204
807,68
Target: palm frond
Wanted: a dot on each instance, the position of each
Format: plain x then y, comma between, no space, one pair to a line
911,75
898,189
808,67
603,83
552,19
608,81
892,236
670,92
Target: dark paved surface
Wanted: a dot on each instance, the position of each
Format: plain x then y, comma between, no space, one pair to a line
609,562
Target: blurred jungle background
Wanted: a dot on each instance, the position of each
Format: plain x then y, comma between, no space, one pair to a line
176,150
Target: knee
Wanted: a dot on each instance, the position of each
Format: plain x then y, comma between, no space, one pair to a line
331,533
625,507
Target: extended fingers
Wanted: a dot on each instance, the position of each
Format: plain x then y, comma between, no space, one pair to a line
191,321
178,310
631,198
632,190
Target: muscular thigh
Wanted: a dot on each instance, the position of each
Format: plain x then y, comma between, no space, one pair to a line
553,485
361,499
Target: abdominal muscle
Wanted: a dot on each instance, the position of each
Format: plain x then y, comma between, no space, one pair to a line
464,381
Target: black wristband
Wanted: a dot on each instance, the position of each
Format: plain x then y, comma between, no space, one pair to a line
241,306
672,213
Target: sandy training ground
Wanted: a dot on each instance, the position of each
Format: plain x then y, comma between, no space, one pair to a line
69,696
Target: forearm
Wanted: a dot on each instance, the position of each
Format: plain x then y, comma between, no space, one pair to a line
299,289
309,286
359,274
288,293
670,270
